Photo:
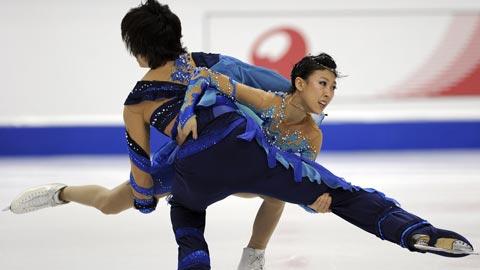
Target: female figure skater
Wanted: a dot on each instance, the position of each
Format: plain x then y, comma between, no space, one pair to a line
269,152
152,33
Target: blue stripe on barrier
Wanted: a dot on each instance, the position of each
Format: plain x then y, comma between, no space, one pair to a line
62,140
98,140
402,135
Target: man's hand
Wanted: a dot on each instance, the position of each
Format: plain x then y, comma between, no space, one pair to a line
322,204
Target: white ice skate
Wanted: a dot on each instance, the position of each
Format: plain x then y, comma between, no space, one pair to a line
36,198
252,259
443,245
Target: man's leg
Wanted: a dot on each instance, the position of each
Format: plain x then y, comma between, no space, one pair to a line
189,226
234,166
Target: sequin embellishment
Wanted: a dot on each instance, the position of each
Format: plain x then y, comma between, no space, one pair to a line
183,70
287,139
165,113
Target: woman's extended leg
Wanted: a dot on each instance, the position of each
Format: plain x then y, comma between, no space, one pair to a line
108,201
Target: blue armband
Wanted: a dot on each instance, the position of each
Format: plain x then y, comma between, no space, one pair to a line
145,206
139,189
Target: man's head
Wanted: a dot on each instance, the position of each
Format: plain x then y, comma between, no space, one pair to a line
153,32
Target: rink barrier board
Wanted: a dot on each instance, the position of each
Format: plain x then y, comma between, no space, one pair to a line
108,140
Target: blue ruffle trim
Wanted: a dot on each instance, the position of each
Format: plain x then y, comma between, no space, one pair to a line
302,167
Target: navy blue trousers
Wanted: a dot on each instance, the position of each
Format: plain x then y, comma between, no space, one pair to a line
233,166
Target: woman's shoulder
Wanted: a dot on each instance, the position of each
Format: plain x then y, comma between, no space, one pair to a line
312,128
275,98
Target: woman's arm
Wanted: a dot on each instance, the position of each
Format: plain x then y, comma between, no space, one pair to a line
257,99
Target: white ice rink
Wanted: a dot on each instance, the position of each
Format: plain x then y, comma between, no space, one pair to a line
442,187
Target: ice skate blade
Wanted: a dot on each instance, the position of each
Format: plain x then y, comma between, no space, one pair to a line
458,252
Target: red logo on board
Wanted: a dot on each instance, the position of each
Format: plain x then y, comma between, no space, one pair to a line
295,50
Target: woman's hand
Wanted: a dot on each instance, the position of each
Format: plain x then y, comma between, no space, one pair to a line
322,204
189,127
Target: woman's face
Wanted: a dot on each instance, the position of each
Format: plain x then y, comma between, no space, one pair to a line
317,91
142,61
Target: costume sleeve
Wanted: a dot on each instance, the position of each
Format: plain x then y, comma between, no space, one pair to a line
256,99
138,136
253,76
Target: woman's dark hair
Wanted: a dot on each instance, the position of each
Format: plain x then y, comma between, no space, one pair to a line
309,64
153,31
